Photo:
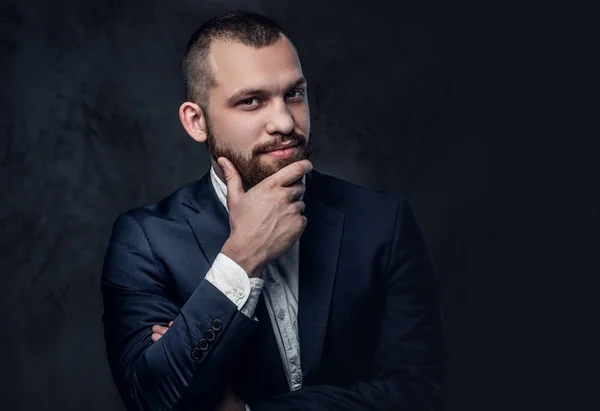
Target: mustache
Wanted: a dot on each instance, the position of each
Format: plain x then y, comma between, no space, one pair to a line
297,138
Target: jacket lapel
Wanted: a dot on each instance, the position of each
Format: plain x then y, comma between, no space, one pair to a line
319,252
210,223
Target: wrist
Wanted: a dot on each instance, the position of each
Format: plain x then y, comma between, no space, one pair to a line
249,260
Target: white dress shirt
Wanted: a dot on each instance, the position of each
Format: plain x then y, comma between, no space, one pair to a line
278,282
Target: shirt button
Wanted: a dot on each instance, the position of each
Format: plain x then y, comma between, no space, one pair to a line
281,314
239,293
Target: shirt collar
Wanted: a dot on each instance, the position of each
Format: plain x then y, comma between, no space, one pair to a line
220,187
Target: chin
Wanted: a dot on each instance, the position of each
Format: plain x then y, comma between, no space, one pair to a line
276,163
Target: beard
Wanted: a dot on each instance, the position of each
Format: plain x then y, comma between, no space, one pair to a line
249,165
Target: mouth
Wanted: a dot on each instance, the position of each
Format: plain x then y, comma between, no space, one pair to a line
283,151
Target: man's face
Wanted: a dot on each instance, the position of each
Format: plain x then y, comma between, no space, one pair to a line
259,103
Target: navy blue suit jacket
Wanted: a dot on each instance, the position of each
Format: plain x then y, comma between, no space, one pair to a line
369,319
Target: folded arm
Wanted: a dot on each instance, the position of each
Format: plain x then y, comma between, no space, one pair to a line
188,368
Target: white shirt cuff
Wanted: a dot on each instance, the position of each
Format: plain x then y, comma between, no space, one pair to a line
256,286
233,281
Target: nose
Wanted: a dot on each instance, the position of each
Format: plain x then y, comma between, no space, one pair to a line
280,120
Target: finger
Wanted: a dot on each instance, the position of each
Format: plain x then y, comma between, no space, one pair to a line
235,188
159,329
300,206
155,337
170,323
303,223
295,191
291,173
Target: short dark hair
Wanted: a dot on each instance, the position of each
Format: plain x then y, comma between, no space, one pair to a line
248,28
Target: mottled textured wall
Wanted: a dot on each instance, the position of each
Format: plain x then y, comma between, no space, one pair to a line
484,114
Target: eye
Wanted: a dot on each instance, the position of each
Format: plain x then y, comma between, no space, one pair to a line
247,101
297,93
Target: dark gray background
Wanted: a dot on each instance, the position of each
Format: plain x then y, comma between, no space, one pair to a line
484,114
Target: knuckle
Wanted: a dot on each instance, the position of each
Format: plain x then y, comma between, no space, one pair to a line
307,166
282,197
270,183
302,222
298,170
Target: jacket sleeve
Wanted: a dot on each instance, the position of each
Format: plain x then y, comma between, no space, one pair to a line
188,368
409,360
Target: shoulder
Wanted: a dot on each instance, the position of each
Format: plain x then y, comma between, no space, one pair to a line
354,198
371,216
174,207
373,213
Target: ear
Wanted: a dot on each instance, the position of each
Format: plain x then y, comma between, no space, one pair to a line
192,119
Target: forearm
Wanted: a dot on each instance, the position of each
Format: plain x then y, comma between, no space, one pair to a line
184,363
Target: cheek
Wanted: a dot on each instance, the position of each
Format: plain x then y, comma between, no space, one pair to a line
301,116
241,132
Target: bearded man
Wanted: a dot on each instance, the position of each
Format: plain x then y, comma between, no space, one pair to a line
267,285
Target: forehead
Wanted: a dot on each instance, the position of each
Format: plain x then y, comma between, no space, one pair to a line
237,65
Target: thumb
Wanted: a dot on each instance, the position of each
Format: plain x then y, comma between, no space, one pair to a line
235,188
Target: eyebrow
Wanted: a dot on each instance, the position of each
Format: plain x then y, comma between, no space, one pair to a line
301,81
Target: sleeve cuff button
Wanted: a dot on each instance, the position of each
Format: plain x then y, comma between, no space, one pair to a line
196,354
217,325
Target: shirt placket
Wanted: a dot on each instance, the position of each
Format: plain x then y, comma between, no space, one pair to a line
289,336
